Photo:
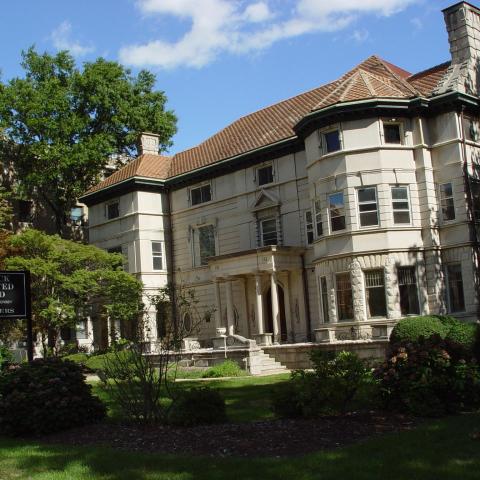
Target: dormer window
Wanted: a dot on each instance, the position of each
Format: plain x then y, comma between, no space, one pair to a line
201,194
265,175
392,132
113,210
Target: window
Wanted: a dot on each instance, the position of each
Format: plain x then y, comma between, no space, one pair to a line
265,175
344,297
309,226
318,218
367,206
471,128
407,286
268,231
113,210
337,211
375,293
76,214
475,189
324,298
400,205
456,300
157,256
392,133
446,202
204,244
81,332
201,194
332,141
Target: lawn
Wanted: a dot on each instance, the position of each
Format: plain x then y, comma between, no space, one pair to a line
439,449
246,398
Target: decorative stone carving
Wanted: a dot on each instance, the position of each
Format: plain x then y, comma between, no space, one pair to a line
358,290
391,290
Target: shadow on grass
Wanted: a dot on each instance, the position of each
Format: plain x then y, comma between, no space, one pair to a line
441,449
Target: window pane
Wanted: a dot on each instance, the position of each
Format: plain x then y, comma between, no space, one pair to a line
265,175
332,141
391,133
401,217
446,200
200,194
455,288
375,293
367,206
206,236
399,193
269,231
157,255
318,218
407,286
113,210
344,297
206,193
309,226
338,223
337,215
369,219
400,205
367,194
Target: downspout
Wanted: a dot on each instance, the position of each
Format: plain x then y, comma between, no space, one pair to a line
170,259
307,300
471,213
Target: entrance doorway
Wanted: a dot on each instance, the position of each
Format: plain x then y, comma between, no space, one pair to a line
282,327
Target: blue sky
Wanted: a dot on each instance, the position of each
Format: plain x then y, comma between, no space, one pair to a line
220,59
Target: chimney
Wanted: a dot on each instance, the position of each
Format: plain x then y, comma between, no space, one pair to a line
148,143
463,27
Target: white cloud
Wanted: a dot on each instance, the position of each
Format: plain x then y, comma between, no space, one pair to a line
236,26
61,38
360,36
417,23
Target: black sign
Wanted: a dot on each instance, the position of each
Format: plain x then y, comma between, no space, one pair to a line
14,294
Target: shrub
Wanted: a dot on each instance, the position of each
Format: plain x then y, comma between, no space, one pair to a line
426,378
463,334
228,368
6,357
330,388
46,396
80,358
198,406
412,328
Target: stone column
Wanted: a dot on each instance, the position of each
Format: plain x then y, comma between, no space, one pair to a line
275,307
230,310
218,305
259,304
358,291
391,289
288,309
245,306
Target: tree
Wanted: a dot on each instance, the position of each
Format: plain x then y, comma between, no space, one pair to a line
66,277
61,124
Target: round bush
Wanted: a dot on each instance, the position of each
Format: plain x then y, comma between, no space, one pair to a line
228,368
412,328
199,406
46,396
463,334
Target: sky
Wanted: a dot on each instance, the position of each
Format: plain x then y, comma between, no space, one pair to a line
217,60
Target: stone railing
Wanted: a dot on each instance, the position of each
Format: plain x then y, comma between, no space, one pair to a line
354,331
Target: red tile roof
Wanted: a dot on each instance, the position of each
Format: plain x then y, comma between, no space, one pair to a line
373,78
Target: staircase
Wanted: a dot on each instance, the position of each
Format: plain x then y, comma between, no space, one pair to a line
260,363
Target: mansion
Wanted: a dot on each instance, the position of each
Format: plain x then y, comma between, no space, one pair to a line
324,218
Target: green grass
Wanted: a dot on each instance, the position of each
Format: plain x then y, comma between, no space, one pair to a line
246,398
441,449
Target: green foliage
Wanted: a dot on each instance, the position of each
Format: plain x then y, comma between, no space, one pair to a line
63,123
412,328
429,377
46,396
80,358
198,406
228,368
68,276
330,388
463,334
6,357
98,362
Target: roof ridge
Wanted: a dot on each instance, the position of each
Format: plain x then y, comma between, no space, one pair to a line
365,78
429,70
403,81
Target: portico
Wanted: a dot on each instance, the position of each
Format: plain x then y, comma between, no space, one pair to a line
255,291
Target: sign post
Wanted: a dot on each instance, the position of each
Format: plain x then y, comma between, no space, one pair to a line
15,301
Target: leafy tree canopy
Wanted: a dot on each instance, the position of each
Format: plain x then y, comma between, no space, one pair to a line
70,277
62,123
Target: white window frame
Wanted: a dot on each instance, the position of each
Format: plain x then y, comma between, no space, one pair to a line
323,139
359,213
337,216
257,174
309,229
365,273
318,218
401,130
112,202
261,222
200,187
409,210
441,199
157,255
